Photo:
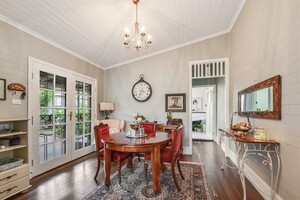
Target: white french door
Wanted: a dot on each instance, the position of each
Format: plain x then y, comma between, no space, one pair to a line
83,108
210,112
63,112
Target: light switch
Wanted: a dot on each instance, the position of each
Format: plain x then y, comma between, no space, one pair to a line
16,101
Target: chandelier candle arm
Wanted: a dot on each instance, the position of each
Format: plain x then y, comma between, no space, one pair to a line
137,41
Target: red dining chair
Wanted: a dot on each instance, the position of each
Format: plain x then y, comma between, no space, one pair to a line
102,132
149,127
170,155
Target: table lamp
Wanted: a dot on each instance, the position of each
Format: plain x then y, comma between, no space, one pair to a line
107,108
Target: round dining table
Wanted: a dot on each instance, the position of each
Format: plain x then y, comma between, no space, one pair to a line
153,143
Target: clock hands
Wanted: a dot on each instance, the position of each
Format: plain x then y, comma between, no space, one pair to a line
141,91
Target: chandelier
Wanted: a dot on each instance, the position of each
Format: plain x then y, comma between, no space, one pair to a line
138,40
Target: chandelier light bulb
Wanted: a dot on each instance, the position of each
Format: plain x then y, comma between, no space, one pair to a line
126,30
149,37
142,29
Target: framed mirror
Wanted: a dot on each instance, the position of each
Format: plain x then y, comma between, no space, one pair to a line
262,100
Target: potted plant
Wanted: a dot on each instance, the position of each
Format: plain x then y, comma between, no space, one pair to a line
169,118
199,127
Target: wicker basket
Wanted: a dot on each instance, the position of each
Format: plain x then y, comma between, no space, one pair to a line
235,129
8,163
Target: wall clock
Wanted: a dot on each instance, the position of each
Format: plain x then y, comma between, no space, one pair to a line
141,90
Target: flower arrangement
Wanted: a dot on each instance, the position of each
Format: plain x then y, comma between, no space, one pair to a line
138,117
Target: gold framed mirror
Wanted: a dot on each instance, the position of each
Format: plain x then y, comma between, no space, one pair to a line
262,100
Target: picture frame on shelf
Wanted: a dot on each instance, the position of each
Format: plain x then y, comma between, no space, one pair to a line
2,89
175,102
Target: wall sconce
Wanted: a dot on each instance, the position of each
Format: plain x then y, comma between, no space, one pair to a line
106,108
17,87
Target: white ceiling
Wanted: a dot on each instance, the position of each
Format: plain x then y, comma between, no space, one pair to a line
93,29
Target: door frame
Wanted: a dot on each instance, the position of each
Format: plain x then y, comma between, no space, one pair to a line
31,61
189,150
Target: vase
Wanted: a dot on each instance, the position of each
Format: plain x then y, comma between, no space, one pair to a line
169,121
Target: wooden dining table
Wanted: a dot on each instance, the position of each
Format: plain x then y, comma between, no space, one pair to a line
153,143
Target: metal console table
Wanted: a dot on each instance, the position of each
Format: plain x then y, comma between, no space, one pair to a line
266,149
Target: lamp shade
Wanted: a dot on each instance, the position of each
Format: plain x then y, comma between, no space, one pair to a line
107,106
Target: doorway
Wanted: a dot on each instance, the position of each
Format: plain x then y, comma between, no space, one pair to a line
62,109
203,112
207,73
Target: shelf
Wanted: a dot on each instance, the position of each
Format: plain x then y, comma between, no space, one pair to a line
10,148
14,120
9,129
12,134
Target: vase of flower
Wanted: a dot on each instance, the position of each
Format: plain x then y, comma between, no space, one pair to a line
137,120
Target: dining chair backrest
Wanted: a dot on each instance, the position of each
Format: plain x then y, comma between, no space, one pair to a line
101,132
176,141
148,126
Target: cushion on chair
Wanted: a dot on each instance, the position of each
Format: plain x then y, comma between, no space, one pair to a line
166,155
113,130
116,156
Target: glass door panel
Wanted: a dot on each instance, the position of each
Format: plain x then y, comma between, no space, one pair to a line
83,115
52,133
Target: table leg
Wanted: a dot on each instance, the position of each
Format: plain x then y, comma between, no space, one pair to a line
107,165
155,161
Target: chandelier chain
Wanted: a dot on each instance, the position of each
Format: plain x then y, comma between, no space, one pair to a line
137,41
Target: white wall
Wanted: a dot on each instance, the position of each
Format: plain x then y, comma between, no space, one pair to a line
265,41
167,73
15,47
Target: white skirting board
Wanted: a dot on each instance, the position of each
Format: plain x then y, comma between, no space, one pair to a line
261,186
187,151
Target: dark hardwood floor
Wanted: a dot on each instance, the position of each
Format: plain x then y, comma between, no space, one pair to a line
224,184
76,179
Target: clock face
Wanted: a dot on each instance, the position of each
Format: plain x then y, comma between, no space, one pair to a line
141,91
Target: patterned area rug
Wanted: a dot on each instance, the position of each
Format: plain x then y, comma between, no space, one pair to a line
134,187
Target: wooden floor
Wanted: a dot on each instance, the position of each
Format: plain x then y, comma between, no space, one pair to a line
74,180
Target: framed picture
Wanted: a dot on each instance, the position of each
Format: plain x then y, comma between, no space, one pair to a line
2,89
175,102
197,104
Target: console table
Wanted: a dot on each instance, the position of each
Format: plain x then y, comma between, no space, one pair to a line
246,146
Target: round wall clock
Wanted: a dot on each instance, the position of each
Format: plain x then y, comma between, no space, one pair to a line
141,90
